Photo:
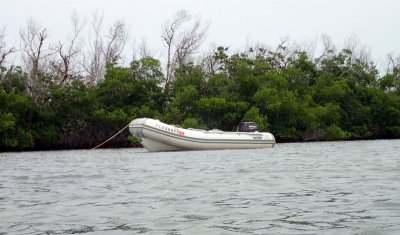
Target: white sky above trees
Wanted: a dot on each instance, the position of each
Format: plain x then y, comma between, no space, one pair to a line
232,23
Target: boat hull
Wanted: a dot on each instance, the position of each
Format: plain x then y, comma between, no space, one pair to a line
156,136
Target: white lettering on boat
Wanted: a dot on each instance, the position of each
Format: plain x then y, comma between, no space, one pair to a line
169,129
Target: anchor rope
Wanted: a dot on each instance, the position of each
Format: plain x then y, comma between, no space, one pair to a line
111,137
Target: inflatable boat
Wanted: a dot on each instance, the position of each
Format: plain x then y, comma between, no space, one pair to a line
157,136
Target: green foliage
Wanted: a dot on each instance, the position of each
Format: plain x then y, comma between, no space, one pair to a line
253,115
133,139
327,115
275,80
391,82
14,80
220,85
189,75
192,123
328,89
334,97
212,110
334,132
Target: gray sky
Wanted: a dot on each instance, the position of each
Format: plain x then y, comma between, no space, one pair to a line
232,22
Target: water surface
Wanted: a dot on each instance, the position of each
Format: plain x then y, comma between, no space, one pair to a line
301,188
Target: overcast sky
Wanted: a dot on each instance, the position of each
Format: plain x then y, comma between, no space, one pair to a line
233,23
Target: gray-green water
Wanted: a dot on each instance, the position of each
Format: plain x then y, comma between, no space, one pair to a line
307,188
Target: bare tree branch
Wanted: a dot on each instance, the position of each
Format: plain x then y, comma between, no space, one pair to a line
328,48
117,37
68,52
33,39
34,54
94,65
190,42
168,35
181,43
145,51
103,52
4,51
359,52
393,63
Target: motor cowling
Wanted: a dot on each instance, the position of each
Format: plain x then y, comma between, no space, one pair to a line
248,127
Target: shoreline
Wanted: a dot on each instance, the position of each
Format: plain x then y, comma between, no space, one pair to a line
138,145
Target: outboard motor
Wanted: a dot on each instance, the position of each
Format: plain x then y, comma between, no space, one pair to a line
248,127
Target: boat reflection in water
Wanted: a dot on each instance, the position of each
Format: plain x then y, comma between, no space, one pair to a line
156,136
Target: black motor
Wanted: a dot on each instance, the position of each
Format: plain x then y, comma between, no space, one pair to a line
248,127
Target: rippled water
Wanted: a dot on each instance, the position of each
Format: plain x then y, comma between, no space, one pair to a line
307,188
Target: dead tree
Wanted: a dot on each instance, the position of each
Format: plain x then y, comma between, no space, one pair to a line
209,63
359,52
214,61
4,50
281,56
68,52
190,42
308,47
117,37
328,49
181,43
169,34
103,52
93,65
393,64
34,51
33,39
145,51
